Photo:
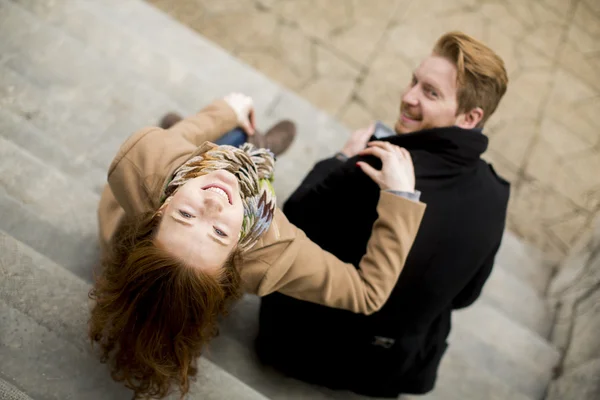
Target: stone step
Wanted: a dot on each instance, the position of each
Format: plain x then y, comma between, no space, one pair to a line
47,211
209,73
519,301
10,392
462,375
89,106
107,108
459,380
19,130
47,366
240,360
137,59
525,262
490,340
44,311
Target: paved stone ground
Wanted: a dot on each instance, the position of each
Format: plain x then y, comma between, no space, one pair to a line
352,58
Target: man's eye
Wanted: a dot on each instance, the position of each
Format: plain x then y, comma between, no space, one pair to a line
185,214
220,232
433,93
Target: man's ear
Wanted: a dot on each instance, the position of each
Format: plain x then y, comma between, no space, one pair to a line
470,119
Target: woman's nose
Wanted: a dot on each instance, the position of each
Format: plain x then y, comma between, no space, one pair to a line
212,205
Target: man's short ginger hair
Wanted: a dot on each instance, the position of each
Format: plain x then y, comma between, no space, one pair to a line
481,75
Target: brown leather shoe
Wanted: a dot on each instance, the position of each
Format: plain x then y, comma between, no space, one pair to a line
169,120
277,139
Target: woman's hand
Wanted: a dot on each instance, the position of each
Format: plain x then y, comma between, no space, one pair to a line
243,106
397,170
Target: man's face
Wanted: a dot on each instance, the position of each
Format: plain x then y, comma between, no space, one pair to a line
430,100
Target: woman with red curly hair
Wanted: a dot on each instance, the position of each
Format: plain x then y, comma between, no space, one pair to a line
186,226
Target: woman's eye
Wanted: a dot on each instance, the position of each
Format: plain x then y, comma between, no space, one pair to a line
185,215
220,232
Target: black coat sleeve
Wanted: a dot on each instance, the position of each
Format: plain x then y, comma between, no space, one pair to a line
317,175
325,206
473,289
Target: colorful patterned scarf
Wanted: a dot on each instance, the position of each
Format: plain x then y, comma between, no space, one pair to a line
253,168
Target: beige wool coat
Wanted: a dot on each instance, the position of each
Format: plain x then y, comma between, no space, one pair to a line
284,259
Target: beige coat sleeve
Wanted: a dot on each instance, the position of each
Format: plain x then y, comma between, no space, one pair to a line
148,157
208,125
306,272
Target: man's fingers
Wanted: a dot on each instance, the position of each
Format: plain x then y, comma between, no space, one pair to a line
371,129
367,133
248,128
251,118
367,169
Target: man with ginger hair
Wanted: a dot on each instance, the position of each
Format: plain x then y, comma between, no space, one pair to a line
398,349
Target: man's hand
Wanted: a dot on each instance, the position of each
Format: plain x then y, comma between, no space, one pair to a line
243,106
358,141
397,170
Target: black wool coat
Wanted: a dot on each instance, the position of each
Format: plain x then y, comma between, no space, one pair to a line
398,349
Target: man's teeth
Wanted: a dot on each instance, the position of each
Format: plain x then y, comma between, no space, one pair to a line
219,191
412,117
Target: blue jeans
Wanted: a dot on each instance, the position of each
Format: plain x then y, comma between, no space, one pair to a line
235,137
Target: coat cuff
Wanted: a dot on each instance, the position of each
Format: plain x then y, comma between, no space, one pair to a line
414,196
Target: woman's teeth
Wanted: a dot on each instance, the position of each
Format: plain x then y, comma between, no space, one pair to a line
220,192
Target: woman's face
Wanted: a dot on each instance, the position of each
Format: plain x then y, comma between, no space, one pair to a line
202,222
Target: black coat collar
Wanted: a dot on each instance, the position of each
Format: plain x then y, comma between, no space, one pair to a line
461,147
443,152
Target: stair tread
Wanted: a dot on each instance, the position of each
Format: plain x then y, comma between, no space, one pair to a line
495,360
34,194
459,380
492,341
81,104
525,262
17,129
10,392
47,366
214,73
517,300
240,360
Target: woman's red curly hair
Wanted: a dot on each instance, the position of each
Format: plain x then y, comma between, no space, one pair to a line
153,314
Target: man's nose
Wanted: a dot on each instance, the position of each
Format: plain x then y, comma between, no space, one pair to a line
410,96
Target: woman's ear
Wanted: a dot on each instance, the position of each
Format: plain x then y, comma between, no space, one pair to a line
470,119
162,208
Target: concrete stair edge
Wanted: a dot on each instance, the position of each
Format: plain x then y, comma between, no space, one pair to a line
459,380
17,129
51,198
489,339
525,262
508,294
10,392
